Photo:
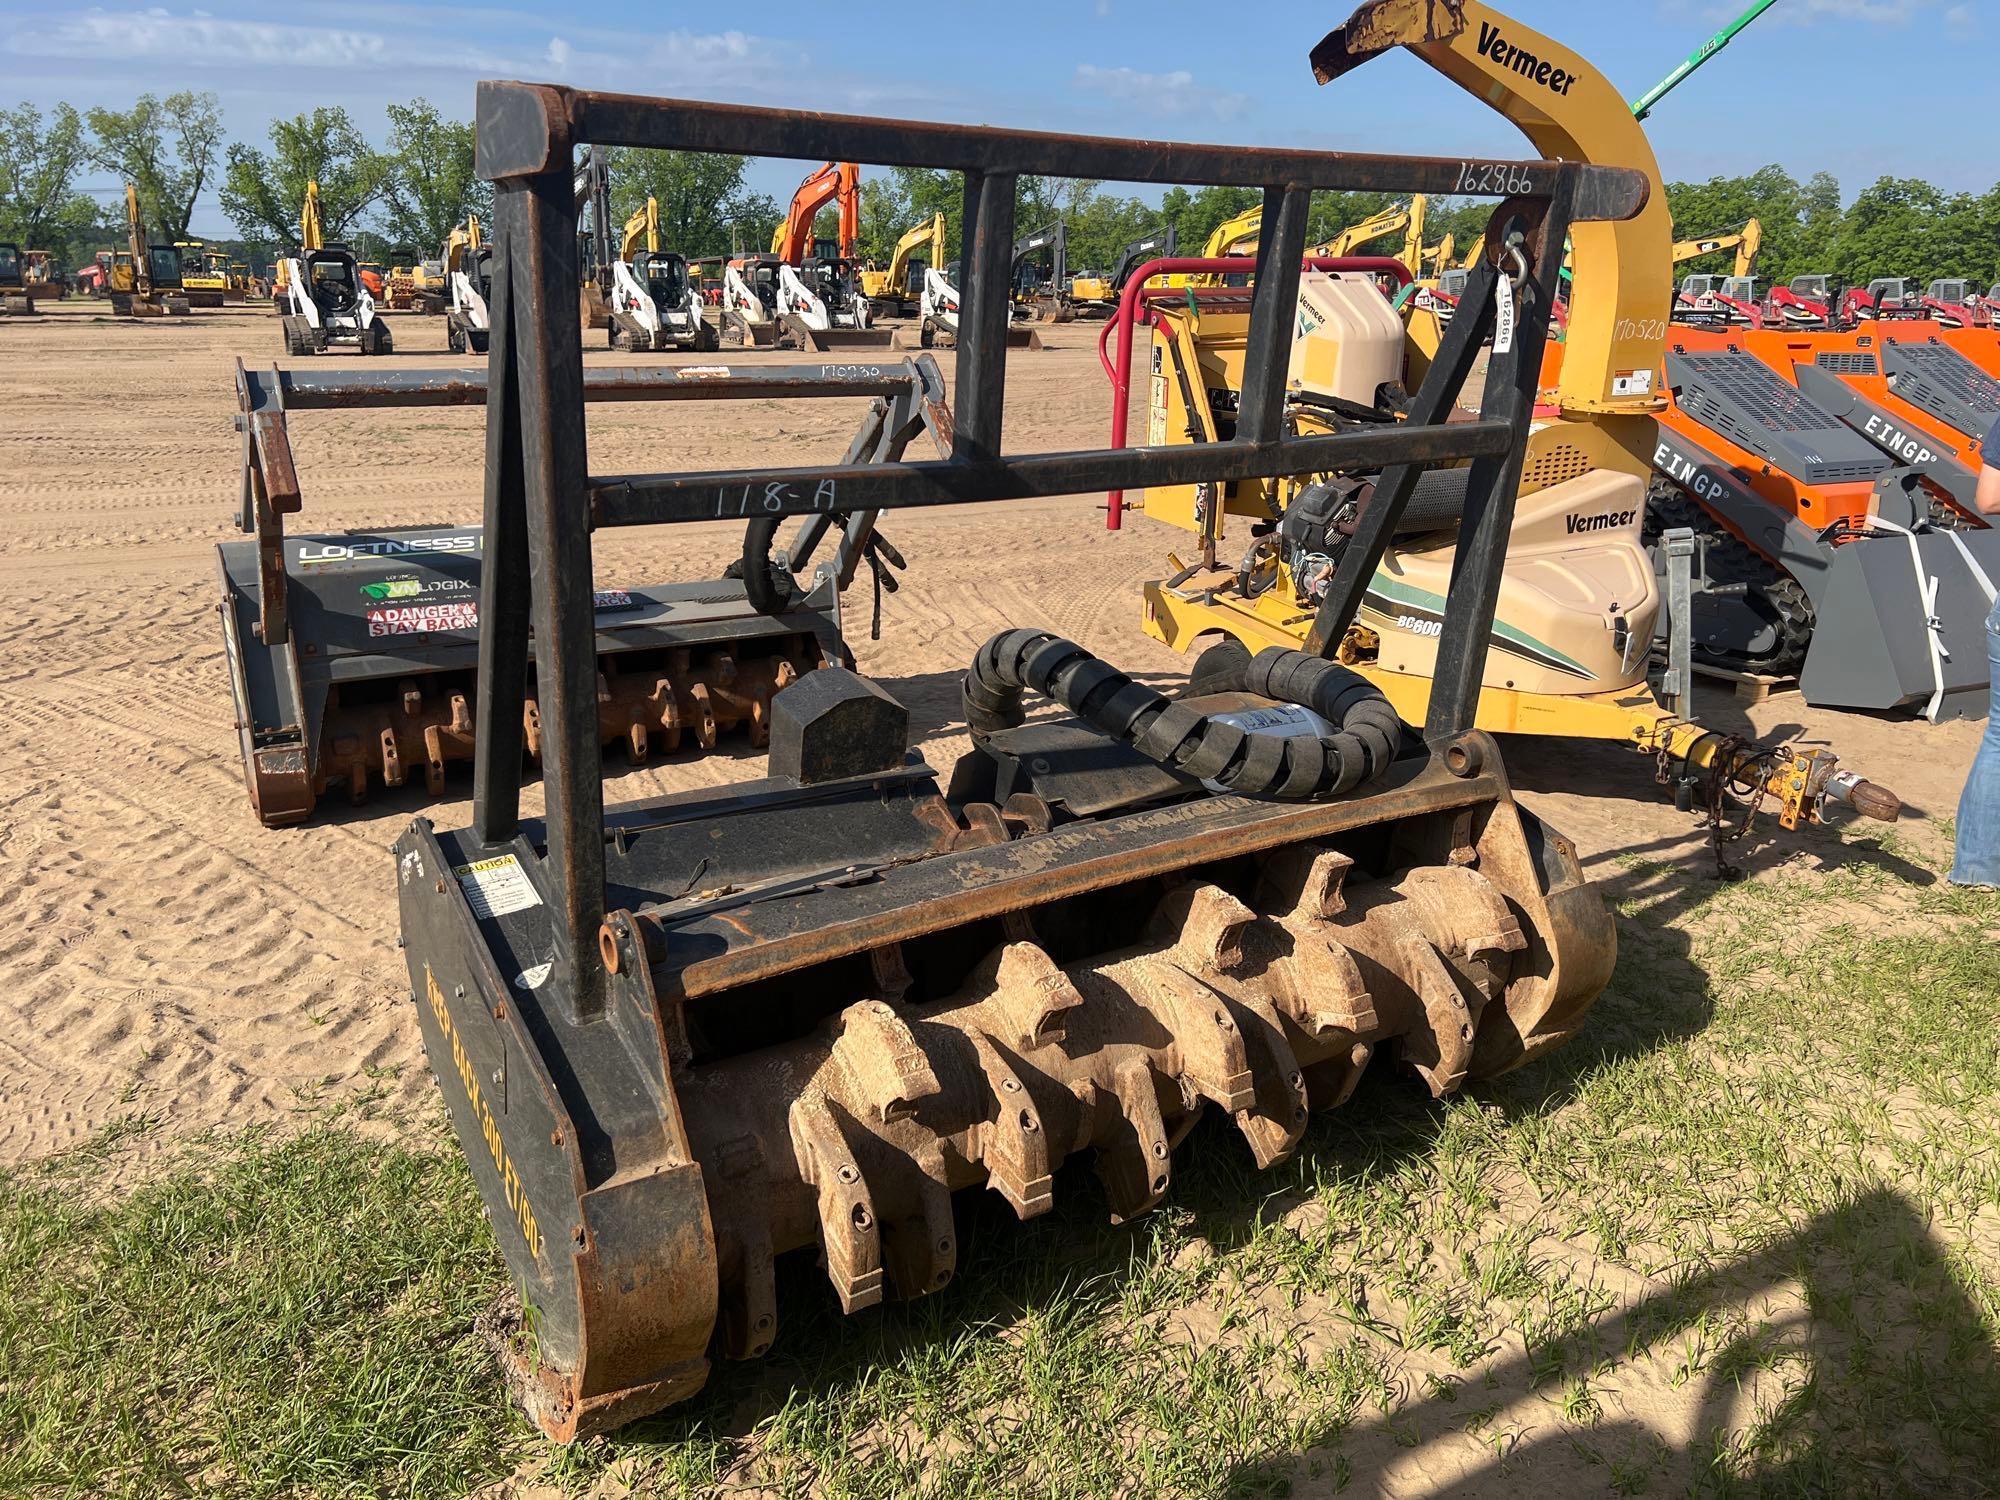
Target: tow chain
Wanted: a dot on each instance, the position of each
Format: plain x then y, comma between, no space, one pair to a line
1721,785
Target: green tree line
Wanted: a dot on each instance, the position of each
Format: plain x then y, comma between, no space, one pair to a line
405,195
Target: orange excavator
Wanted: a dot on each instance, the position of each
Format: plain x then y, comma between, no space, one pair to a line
793,242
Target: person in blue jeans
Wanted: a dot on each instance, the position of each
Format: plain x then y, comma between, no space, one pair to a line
1978,856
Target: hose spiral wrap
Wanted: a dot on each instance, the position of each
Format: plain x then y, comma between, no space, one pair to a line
1179,736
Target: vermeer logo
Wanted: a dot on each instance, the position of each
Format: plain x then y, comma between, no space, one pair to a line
1492,44
1610,522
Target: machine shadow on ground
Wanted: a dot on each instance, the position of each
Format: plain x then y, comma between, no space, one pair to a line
1876,1324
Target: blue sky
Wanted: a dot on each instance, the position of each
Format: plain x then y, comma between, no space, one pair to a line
1856,87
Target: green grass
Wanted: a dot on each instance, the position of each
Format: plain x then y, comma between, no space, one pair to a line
1743,1236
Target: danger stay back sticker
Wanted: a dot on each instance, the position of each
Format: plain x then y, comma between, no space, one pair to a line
423,619
495,887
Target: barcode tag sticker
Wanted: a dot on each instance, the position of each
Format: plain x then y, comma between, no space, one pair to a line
1503,316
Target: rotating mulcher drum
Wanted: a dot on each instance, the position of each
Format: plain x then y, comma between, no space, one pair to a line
840,993
681,1038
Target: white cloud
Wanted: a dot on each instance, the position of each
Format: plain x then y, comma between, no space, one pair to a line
423,41
1174,93
1960,21
157,35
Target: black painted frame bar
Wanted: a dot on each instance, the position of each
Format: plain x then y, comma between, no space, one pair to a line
540,500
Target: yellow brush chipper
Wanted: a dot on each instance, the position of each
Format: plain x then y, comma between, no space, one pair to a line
145,279
1579,601
686,1038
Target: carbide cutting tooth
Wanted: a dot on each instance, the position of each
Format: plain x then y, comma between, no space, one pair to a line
1013,1143
1032,991
881,1067
1134,1158
1205,924
1465,916
1307,880
1311,978
1276,1119
1206,1044
920,1249
850,1233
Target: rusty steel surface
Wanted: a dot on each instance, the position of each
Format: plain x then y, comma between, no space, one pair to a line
778,938
694,696
1257,980
526,129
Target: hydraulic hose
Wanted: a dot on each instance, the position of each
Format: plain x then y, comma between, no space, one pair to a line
1358,747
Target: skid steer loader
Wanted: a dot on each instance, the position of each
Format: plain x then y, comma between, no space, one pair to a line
327,306
750,301
1579,603
354,657
653,302
819,309
937,317
683,1038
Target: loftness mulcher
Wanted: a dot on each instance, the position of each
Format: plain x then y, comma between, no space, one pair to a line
681,1038
353,656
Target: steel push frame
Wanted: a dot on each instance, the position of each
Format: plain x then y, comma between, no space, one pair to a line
542,502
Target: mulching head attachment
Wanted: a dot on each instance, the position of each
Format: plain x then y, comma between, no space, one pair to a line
838,996
683,1038
354,656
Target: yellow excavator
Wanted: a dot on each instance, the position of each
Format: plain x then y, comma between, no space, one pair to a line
1747,242
145,279
1406,219
312,236
889,292
1579,600
1709,298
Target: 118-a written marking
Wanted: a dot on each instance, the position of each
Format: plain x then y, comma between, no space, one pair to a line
1493,177
778,498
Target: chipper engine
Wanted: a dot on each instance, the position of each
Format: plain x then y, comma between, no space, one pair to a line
683,1038
353,657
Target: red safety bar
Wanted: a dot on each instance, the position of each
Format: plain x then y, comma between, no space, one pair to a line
1136,295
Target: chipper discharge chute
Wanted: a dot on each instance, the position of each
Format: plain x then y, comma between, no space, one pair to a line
1581,598
353,656
682,1038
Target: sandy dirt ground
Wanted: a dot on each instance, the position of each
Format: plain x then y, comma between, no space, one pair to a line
167,958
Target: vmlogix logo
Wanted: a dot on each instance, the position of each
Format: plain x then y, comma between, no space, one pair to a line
1494,44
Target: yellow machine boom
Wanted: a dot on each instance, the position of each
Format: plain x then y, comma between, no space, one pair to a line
891,284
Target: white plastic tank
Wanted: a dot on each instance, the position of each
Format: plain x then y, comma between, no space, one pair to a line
1350,341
